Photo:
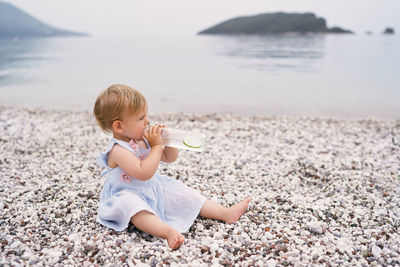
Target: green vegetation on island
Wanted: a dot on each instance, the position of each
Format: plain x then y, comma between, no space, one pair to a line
16,23
274,23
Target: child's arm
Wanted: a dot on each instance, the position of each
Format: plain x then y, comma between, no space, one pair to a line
170,154
133,166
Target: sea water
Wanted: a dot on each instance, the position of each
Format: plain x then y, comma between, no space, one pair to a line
322,75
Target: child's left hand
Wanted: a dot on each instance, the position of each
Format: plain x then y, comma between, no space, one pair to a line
161,125
153,135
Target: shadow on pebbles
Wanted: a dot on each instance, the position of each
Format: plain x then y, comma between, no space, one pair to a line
324,191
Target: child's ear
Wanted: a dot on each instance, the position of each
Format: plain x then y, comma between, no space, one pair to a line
118,126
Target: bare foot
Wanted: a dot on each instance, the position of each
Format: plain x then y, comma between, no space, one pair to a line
235,212
175,239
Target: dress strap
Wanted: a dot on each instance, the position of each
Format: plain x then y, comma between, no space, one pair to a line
125,145
102,160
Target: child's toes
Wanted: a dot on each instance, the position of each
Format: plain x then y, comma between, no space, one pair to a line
174,239
177,243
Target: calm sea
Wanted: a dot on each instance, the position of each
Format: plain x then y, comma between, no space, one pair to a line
319,75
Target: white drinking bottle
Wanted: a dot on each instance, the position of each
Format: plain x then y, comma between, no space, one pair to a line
183,139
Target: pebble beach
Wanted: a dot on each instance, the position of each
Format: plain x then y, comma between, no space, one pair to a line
325,192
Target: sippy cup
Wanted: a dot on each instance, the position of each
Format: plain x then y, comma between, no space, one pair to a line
183,139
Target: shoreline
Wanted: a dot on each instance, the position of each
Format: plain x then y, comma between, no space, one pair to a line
324,191
212,114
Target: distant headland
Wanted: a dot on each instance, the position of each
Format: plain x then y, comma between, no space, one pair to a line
15,23
274,23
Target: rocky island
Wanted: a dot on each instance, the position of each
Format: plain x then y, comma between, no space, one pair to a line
388,30
274,23
15,23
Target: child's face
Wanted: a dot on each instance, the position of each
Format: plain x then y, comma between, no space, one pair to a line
136,124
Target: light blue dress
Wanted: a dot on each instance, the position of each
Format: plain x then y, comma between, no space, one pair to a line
123,196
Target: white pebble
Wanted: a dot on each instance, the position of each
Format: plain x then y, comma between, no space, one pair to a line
269,235
214,247
54,254
271,263
293,253
376,251
15,244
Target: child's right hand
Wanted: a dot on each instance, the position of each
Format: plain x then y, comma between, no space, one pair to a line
153,135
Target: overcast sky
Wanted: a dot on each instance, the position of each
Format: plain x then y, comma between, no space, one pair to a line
149,17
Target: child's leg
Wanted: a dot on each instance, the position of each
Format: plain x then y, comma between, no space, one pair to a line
214,210
150,223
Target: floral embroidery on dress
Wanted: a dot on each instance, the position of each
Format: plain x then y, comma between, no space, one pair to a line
125,178
133,145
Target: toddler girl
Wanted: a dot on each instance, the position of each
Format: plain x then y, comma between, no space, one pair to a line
133,191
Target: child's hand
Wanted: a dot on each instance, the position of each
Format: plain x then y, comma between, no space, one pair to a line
153,135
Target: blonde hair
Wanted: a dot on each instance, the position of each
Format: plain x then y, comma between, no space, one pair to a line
113,101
